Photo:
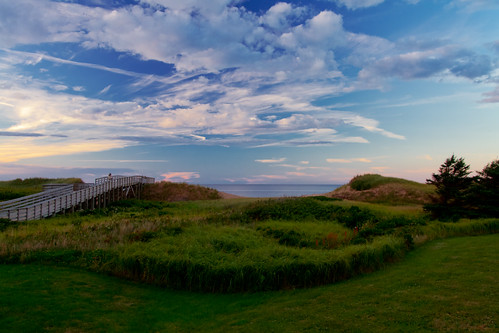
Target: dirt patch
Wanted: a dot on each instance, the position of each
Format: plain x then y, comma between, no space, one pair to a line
229,196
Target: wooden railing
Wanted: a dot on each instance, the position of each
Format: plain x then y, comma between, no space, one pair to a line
51,202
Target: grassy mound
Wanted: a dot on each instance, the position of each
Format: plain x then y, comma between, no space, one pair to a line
386,190
169,192
17,188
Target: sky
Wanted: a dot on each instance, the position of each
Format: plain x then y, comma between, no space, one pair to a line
247,91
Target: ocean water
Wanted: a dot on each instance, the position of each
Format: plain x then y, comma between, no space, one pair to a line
272,190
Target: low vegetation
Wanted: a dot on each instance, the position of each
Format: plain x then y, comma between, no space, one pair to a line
168,191
230,245
447,285
17,188
384,190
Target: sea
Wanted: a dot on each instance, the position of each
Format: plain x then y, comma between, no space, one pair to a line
273,190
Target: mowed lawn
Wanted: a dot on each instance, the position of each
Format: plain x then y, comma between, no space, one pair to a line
446,285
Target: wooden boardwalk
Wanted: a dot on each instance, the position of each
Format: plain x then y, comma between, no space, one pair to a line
64,198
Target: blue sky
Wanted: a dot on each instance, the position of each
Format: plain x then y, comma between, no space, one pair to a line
247,91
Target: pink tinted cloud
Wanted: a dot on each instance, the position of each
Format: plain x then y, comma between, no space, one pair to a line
186,175
492,96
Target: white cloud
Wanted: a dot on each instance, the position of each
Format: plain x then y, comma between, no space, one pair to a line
273,160
105,89
427,157
342,160
280,16
14,149
474,5
338,160
359,4
444,59
291,51
370,125
356,4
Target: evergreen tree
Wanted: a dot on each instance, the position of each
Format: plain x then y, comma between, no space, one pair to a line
452,184
485,191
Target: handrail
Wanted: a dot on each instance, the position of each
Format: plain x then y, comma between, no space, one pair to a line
36,198
50,202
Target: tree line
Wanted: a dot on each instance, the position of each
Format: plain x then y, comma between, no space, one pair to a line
458,194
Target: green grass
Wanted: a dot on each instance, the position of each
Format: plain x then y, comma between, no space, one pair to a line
445,285
229,246
17,188
369,181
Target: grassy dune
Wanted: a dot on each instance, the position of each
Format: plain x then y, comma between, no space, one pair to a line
447,285
384,190
168,191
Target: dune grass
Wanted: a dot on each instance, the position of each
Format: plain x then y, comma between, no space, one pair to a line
445,285
384,190
168,191
369,181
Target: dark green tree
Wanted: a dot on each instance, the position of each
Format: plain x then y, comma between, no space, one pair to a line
485,191
452,184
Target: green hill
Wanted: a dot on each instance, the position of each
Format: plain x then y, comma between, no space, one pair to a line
388,190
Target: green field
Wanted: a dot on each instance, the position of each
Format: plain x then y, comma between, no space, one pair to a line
288,264
446,285
230,245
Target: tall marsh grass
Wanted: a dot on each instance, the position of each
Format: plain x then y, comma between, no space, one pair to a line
233,267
